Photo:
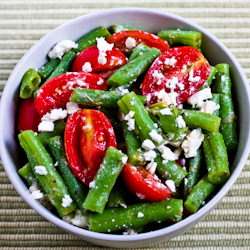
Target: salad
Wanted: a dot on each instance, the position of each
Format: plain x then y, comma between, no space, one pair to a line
126,131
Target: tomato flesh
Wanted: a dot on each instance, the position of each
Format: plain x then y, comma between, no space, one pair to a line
190,70
88,134
151,40
90,55
28,117
56,92
143,184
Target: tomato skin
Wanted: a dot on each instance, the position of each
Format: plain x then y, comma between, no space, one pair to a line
144,184
185,56
56,92
88,134
149,39
28,117
181,161
114,58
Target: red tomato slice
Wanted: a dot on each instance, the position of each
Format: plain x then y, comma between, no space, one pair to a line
114,58
28,117
151,40
184,77
56,92
144,184
88,135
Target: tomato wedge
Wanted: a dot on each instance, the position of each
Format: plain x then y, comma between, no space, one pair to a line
90,55
28,117
144,184
56,92
151,40
182,70
88,135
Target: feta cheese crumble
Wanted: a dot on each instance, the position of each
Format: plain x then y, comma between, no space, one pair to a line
87,67
209,107
196,100
149,155
72,107
170,61
148,144
54,115
61,48
36,194
172,83
66,200
171,185
151,167
41,170
129,231
169,98
92,184
140,215
103,47
130,120
155,136
158,76
167,154
46,126
166,111
100,82
130,43
78,219
192,143
124,159
180,122
192,78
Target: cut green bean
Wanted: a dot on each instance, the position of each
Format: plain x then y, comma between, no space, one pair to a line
193,172
50,180
29,84
228,122
64,65
200,192
100,188
58,130
90,38
133,146
48,68
216,98
137,215
130,71
210,78
116,198
76,190
139,50
26,173
183,37
120,27
197,119
216,158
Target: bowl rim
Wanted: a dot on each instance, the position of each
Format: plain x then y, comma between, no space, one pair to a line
20,187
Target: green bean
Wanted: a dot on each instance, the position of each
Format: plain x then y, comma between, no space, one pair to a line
76,190
120,88
223,82
120,27
130,71
29,84
133,146
216,158
137,215
58,130
197,119
51,182
216,99
64,64
90,38
27,174
193,173
183,37
116,198
228,122
210,78
200,192
139,50
104,180
48,68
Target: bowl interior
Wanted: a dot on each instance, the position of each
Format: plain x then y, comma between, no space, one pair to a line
147,20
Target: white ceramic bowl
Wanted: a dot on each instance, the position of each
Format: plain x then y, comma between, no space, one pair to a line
151,21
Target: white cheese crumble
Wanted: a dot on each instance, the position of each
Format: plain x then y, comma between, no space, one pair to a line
171,185
140,215
148,144
103,47
192,143
172,83
170,61
158,76
122,90
54,115
155,136
166,111
61,48
149,155
151,167
129,231
47,126
100,81
41,170
169,98
197,99
167,154
72,107
124,159
66,200
185,181
192,78
78,219
209,107
184,68
36,194
33,187
130,43
180,122
130,120
87,67
92,184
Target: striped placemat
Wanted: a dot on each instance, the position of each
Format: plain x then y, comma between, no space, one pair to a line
23,22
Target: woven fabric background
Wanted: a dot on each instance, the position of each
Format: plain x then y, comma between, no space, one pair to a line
23,22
